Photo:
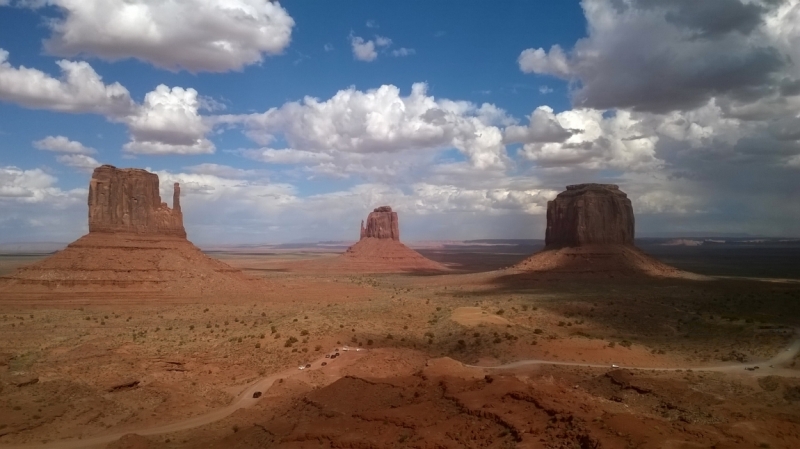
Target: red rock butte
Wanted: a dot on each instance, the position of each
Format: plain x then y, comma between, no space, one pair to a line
590,230
590,214
378,251
135,244
128,201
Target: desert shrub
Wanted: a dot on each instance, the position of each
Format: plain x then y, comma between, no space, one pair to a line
405,327
625,344
500,312
497,340
262,336
263,313
477,335
191,327
303,333
258,345
273,329
612,344
538,331
289,342
389,337
792,393
524,307
318,348
369,342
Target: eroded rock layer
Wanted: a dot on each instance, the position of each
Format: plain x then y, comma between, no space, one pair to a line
135,243
590,214
382,223
128,200
590,229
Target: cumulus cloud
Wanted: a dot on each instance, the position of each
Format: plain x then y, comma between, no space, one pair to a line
30,186
366,50
61,144
544,127
383,121
545,63
221,171
661,56
79,90
363,50
168,122
196,35
595,142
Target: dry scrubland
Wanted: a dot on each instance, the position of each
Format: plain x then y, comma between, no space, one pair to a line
80,367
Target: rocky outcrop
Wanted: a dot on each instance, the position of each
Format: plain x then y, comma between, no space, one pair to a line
128,201
590,214
382,223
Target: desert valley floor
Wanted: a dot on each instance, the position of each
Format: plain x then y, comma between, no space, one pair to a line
441,361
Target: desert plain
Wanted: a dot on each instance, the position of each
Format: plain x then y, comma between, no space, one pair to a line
82,366
131,337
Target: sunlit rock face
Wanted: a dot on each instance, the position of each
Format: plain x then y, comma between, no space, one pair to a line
381,224
590,214
128,201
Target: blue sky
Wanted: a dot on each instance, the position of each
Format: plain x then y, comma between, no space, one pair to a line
290,121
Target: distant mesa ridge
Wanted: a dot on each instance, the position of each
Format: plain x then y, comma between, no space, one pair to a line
590,214
128,200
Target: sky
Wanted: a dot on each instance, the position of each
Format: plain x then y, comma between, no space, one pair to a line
290,121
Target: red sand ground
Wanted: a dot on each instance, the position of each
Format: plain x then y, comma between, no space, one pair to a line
599,261
125,262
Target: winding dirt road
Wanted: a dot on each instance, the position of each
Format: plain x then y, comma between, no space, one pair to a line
245,398
764,368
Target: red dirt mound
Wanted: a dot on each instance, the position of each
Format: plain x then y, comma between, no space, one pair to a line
108,262
372,255
600,261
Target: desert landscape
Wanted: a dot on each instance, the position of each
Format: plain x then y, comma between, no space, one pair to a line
131,337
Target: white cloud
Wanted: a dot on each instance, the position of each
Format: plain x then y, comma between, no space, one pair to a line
328,47
363,50
620,141
382,41
79,90
366,50
662,56
539,61
544,127
544,90
30,186
372,24
61,144
196,35
168,122
402,51
286,156
382,121
80,162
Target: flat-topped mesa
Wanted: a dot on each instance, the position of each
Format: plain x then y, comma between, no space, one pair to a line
382,223
590,214
128,201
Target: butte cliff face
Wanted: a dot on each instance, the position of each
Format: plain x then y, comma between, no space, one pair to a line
590,214
128,201
135,243
382,223
590,229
